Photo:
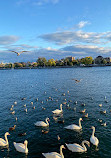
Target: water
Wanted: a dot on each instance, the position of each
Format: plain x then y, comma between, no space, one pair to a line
44,83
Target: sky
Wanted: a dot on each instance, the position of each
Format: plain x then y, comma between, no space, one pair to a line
54,29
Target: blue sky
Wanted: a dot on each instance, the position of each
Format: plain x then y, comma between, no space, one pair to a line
54,29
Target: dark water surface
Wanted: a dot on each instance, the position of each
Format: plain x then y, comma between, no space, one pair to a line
44,83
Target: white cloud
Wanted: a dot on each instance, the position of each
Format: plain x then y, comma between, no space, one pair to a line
82,24
6,40
72,37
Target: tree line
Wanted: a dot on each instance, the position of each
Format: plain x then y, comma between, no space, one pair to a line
43,62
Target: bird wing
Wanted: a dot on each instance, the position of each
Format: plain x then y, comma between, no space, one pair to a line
52,155
14,51
23,51
75,147
2,141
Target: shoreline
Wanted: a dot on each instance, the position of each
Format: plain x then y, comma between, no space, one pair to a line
85,66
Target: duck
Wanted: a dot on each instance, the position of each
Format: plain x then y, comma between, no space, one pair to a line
4,142
20,147
86,115
57,111
58,137
83,111
42,124
55,154
100,105
78,148
103,124
60,121
103,112
75,127
12,128
13,112
21,134
45,132
94,140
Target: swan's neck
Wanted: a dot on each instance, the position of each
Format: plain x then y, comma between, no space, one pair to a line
6,139
80,124
85,149
61,107
61,153
47,122
93,132
26,148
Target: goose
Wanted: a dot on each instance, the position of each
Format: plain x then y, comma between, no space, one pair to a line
19,52
12,128
4,142
75,127
78,148
94,140
55,154
42,124
20,147
57,111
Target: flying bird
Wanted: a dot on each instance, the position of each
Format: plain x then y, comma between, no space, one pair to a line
19,52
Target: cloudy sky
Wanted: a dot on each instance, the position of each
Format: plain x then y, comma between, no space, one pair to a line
54,29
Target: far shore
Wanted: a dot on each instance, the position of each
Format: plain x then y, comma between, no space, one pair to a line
53,67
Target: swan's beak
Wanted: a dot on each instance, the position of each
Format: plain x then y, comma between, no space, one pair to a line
48,119
88,145
8,134
64,147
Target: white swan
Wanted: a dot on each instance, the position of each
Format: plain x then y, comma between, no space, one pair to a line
4,142
78,148
55,154
94,140
75,127
21,147
57,111
43,124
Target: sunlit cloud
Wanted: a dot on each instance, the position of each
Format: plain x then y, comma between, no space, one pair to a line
72,37
82,24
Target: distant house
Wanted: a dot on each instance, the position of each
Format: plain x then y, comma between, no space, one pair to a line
71,58
108,59
98,60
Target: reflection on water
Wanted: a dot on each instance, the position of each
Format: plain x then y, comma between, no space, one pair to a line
48,88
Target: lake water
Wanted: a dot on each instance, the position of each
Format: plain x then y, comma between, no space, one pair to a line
44,83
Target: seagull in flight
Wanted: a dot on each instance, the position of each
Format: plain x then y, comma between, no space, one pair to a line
19,52
77,80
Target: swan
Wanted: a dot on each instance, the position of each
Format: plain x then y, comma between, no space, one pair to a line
55,154
94,140
21,147
57,111
4,142
78,148
73,126
43,124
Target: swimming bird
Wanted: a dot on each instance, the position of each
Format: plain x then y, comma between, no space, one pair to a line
13,112
55,154
103,112
15,103
19,52
83,111
78,148
20,147
21,134
94,140
57,111
31,102
100,105
100,120
86,115
45,132
42,124
43,108
58,137
75,127
103,124
4,142
12,128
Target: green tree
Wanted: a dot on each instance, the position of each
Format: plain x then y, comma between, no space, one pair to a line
51,62
88,60
18,65
42,61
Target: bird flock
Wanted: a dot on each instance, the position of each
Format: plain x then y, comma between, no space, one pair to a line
74,147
